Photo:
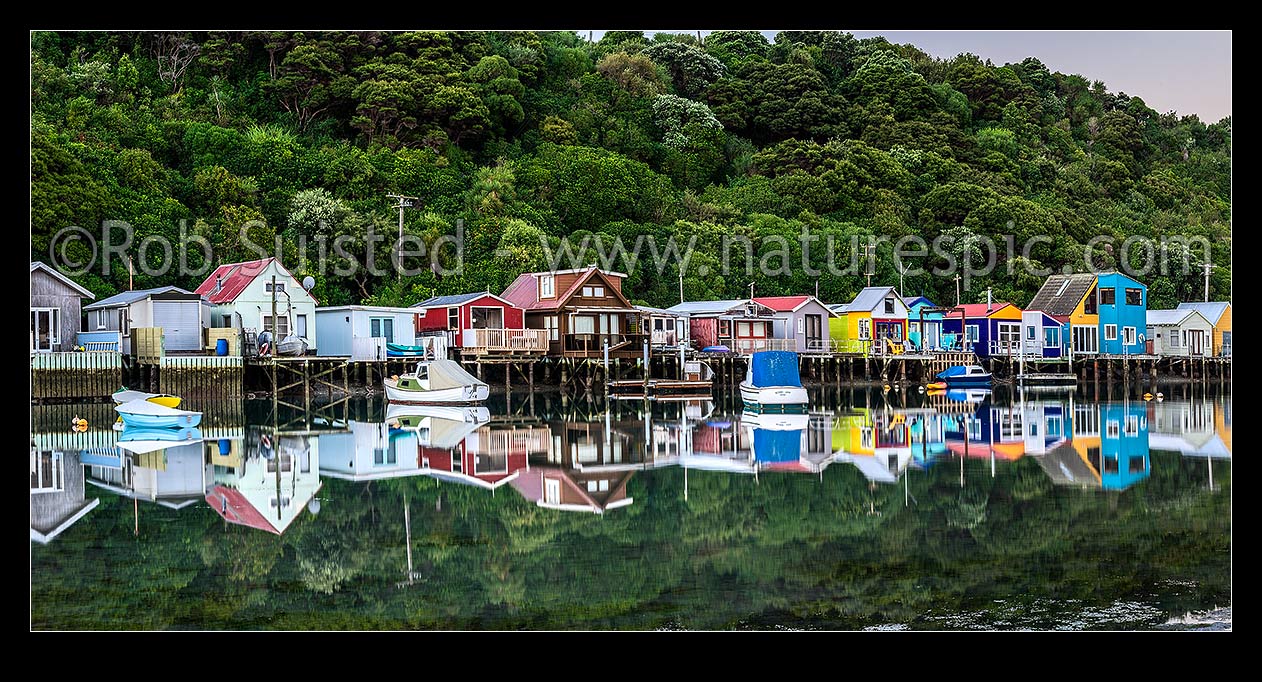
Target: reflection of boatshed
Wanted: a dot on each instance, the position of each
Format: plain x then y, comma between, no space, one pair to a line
556,488
174,477
57,493
279,476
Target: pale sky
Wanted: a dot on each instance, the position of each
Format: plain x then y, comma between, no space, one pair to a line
1185,71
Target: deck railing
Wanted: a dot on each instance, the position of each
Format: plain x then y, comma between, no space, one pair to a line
747,346
507,340
664,337
594,343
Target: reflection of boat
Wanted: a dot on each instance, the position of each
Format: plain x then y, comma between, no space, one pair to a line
964,375
125,396
972,395
436,381
775,422
142,440
144,414
772,382
410,416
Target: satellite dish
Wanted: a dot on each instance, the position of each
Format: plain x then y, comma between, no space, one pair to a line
308,282
314,506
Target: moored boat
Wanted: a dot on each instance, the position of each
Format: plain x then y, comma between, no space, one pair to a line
436,381
772,383
964,375
146,415
125,396
411,416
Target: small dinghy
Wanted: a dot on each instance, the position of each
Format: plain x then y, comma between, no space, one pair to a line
141,441
126,396
146,415
408,416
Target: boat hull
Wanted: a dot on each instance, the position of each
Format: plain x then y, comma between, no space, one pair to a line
962,382
152,421
460,395
411,416
162,399
774,398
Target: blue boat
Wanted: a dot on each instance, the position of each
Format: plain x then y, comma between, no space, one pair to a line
146,415
964,375
772,383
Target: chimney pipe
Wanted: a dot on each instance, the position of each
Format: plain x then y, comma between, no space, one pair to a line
988,304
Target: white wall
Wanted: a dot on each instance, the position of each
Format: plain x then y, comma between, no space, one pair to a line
255,302
337,326
1161,346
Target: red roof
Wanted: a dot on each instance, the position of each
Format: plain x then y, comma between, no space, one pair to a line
782,304
234,508
977,309
524,291
236,277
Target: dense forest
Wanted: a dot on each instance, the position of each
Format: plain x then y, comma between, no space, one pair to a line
527,138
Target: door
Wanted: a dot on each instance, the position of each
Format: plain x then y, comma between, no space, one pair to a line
814,332
180,322
45,332
1196,342
1009,338
551,491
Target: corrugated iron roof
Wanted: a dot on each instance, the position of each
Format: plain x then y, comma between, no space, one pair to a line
783,304
453,300
1060,294
868,297
236,277
1213,310
128,297
978,309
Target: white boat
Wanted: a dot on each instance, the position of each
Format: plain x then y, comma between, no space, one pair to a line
775,422
148,415
436,381
409,415
126,396
292,345
772,383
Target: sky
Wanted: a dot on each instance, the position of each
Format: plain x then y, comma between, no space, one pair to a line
1184,71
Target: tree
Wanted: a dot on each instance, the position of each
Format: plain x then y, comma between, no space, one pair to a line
691,69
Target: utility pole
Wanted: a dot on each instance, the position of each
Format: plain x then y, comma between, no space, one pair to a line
272,347
404,202
1207,266
681,285
131,272
869,263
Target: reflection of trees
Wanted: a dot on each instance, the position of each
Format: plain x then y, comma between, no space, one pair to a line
739,552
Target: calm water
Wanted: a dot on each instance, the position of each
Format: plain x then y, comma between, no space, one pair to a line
878,511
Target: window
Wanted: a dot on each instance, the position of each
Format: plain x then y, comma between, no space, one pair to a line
591,486
1051,337
550,324
546,287
300,326
487,318
1090,306
551,491
227,321
47,474
1132,425
279,329
584,324
1030,333
1135,465
382,328
1134,296
280,287
1185,338
889,305
1063,286
1110,332
913,327
801,325
1108,296
1173,339
604,485
1054,426
453,318
100,319
594,292
865,329
725,328
1128,336
1226,348
422,372
972,333
1112,429
743,330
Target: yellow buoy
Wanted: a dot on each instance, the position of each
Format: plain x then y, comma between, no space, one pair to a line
1147,396
885,387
